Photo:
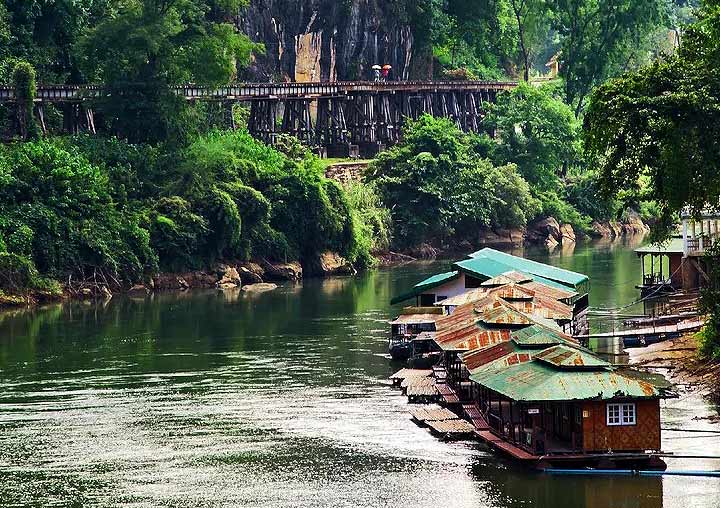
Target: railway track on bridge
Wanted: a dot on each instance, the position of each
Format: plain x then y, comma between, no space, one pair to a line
250,91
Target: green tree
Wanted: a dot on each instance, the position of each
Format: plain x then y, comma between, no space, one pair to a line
532,19
662,123
598,39
147,47
25,93
56,210
43,33
710,305
536,132
658,128
439,189
489,31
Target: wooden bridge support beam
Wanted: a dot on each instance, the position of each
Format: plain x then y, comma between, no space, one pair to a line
263,119
368,119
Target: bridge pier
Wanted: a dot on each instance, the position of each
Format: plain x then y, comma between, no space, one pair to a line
368,120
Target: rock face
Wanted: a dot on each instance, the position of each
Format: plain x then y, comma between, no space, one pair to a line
501,237
567,233
259,288
174,281
228,277
314,40
632,224
424,251
283,271
546,232
138,290
332,263
249,277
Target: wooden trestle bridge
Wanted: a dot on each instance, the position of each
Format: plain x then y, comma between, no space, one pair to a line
334,115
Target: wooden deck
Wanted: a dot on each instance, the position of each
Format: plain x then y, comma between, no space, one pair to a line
404,374
475,416
649,334
447,393
424,415
443,423
500,444
451,429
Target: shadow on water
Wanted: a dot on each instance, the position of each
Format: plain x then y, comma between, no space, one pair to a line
511,486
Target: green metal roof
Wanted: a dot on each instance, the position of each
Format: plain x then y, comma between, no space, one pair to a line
490,259
537,335
671,246
565,357
424,285
537,381
482,268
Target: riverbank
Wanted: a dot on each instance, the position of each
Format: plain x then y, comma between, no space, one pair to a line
233,274
679,361
249,276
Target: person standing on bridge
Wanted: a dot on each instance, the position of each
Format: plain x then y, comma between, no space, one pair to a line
386,71
376,72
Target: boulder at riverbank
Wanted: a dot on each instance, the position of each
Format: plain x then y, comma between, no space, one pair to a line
679,361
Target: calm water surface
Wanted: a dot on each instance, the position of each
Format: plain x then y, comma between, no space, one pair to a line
278,399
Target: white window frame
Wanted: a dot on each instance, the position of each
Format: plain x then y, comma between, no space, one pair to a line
625,414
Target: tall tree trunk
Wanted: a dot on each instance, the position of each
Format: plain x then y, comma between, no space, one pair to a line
517,7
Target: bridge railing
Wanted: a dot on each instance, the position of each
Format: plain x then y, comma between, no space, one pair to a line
249,91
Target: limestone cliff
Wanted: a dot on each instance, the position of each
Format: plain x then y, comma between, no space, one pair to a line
308,40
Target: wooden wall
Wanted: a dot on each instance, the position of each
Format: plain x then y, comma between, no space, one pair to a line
644,435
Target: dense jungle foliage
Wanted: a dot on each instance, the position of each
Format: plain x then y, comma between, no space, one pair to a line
163,187
89,206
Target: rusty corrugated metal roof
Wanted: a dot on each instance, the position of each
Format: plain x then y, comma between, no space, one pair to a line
537,381
469,296
500,355
415,319
544,309
566,357
504,315
474,340
550,291
538,335
507,278
512,291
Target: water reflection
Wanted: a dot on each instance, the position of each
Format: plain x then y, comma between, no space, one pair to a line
234,399
509,486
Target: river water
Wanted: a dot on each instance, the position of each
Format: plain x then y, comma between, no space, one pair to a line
211,399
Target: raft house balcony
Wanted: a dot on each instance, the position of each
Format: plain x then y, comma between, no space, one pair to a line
678,263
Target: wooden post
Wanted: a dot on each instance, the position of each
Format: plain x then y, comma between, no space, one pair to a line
652,267
642,269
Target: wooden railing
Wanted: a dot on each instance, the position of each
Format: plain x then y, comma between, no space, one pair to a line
249,91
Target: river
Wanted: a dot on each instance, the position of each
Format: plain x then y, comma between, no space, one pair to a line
210,399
